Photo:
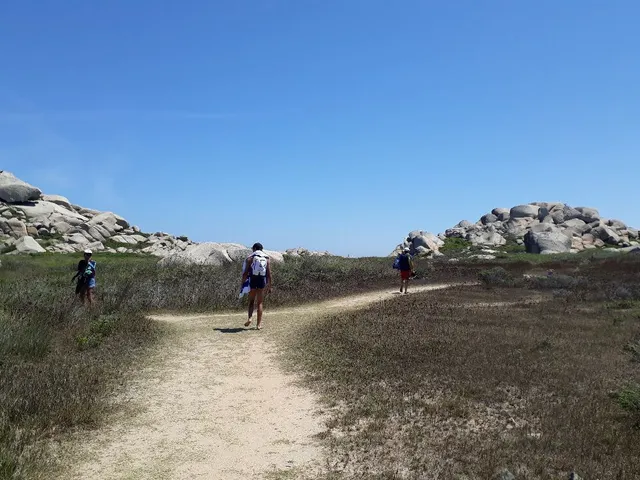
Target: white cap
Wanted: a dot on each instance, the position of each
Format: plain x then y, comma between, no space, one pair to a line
406,249
88,251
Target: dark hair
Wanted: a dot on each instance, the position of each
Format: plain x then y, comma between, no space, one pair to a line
257,246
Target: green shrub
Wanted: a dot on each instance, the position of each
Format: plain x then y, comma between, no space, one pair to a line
629,399
496,277
633,348
455,244
512,246
50,236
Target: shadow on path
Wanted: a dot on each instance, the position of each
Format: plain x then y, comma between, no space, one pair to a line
232,330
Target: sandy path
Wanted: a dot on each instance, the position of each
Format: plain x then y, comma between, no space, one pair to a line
213,403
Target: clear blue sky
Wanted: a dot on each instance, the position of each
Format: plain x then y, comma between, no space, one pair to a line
335,124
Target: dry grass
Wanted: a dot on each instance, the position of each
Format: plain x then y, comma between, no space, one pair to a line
434,386
60,362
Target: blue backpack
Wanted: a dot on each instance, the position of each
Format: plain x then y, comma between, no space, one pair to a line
402,262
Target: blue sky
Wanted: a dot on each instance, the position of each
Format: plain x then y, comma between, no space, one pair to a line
334,125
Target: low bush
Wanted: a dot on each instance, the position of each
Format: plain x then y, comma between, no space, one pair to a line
496,277
454,244
553,281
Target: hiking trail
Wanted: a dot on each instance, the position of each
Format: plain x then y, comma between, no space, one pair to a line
213,402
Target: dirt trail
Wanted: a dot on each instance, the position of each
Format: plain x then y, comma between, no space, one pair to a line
213,403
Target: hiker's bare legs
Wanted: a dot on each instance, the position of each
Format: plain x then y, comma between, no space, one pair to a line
252,303
252,300
90,296
260,299
84,294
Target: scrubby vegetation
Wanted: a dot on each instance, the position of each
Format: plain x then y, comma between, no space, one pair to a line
454,244
535,387
59,361
471,381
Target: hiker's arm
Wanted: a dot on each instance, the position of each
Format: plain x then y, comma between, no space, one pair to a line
78,271
245,272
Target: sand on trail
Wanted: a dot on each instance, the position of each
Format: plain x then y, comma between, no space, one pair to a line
213,402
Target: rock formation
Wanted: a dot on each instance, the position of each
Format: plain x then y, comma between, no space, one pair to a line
541,227
31,222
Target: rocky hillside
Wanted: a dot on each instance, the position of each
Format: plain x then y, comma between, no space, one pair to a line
540,227
32,222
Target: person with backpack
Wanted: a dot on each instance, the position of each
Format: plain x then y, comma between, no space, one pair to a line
404,263
86,275
258,271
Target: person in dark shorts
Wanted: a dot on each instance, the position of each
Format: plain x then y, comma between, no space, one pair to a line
406,269
258,271
86,275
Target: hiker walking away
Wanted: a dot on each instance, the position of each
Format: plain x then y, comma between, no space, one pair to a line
404,263
86,275
258,272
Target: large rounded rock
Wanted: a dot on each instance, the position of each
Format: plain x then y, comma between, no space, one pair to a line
491,239
60,226
588,239
517,227
42,212
455,233
464,224
95,246
110,221
553,241
577,245
58,200
303,252
616,224
424,241
28,245
488,218
551,206
14,190
569,213
93,233
588,215
607,235
576,225
524,211
501,213
13,227
209,253
543,213
237,252
557,216
87,212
